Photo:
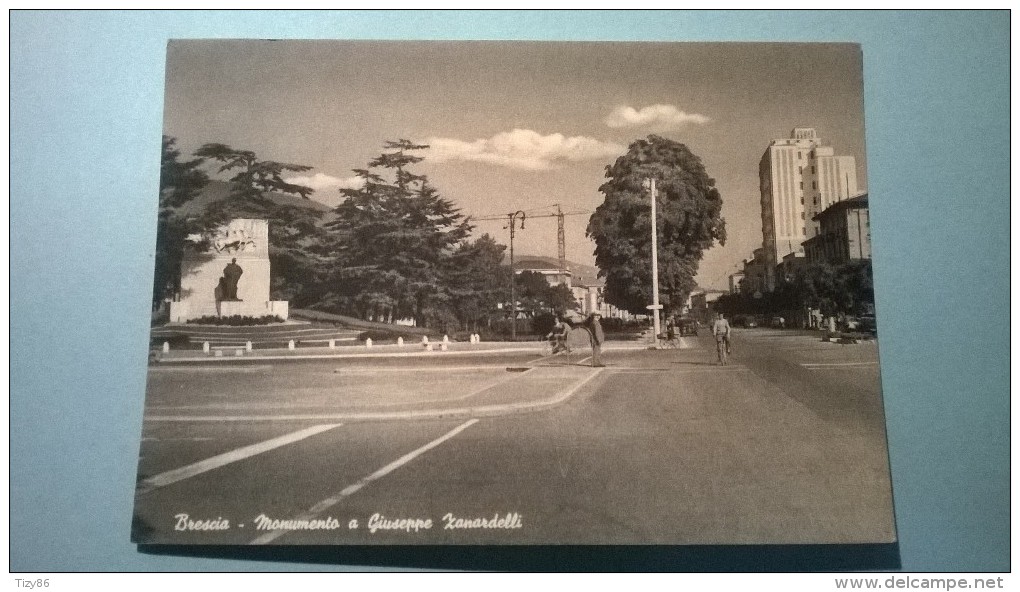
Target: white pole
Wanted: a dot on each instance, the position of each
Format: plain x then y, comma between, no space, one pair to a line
655,269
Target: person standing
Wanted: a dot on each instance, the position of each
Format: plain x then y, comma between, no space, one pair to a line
597,337
232,274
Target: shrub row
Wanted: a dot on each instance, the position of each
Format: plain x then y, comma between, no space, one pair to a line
236,320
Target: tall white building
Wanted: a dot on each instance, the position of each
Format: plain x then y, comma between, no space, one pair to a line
799,178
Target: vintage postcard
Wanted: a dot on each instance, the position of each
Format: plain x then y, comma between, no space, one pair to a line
513,293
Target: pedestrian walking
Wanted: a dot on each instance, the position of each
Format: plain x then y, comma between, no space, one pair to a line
597,337
721,331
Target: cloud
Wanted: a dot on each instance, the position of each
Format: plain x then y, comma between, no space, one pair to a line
522,149
326,186
323,182
663,116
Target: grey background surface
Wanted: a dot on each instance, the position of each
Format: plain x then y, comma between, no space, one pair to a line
86,118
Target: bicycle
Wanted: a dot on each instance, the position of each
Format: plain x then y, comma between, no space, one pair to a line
722,348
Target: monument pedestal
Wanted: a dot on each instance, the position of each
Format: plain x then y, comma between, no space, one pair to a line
245,243
180,312
229,308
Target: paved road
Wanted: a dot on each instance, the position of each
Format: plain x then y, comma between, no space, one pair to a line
784,445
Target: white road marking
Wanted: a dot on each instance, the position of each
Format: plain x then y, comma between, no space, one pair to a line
838,365
484,387
422,369
495,409
215,462
355,487
546,357
242,369
714,368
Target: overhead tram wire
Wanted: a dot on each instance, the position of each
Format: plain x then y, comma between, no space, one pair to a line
561,241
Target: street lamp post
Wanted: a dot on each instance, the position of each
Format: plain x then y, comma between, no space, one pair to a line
656,307
512,218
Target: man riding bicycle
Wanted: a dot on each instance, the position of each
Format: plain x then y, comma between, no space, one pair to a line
721,330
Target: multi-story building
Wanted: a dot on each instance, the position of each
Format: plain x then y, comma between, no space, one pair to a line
755,273
844,233
799,178
552,274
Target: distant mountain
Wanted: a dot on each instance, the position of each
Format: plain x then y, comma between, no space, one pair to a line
580,274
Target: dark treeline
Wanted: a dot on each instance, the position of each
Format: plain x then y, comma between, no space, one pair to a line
393,248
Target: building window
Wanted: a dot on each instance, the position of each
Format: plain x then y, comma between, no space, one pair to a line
814,185
802,215
800,170
802,184
800,155
812,169
802,200
803,231
816,202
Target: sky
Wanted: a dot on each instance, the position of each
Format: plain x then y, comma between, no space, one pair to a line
520,125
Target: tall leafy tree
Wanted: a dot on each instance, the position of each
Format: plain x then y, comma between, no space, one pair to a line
253,178
537,296
179,182
395,237
689,222
478,281
296,250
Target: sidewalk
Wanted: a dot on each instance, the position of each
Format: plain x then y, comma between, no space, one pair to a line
382,382
235,353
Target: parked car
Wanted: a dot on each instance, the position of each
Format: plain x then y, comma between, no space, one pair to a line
687,327
744,321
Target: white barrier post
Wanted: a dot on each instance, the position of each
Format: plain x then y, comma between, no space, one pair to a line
290,344
239,352
205,347
400,342
247,346
332,344
446,339
368,342
424,339
166,347
442,346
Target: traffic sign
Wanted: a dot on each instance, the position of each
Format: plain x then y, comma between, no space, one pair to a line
654,307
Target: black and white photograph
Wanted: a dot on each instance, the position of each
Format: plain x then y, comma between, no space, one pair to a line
513,293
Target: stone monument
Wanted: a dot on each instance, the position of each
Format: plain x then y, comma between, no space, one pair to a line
230,278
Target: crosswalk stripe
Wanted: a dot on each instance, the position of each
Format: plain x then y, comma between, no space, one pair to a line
215,462
355,487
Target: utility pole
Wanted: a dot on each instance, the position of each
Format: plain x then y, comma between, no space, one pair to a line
656,307
512,219
561,244
560,241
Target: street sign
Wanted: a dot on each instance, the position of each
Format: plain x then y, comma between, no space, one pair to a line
654,307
